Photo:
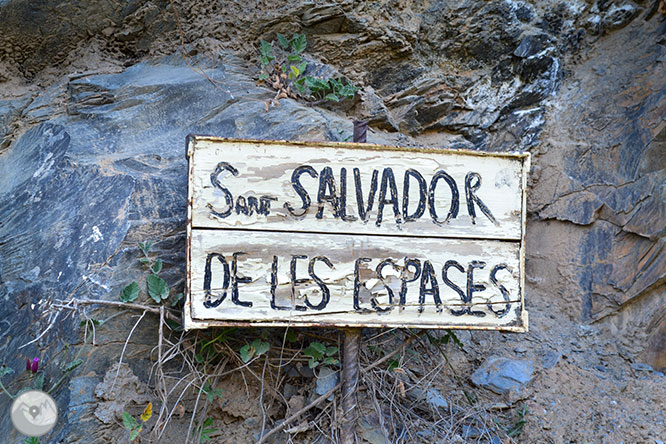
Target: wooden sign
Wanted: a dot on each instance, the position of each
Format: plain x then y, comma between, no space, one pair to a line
339,234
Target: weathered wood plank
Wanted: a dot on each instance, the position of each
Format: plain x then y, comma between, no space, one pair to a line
339,182
249,278
283,233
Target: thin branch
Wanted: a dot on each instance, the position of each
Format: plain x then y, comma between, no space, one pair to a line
124,348
74,303
393,353
51,324
297,414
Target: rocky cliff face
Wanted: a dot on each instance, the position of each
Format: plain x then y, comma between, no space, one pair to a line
97,100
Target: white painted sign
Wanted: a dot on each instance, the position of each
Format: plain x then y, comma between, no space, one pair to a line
283,233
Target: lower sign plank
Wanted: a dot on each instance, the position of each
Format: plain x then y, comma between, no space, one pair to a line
267,278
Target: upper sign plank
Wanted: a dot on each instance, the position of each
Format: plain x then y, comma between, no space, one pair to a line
356,189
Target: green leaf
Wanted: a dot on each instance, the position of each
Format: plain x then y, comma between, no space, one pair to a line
312,363
292,336
207,430
265,48
302,67
173,325
130,293
128,421
315,84
294,72
211,393
283,41
348,90
294,58
456,341
336,84
330,361
176,298
144,260
134,433
300,88
157,266
145,246
315,350
309,82
4,370
72,365
95,322
330,351
39,381
332,97
246,353
298,43
263,76
158,289
392,364
260,347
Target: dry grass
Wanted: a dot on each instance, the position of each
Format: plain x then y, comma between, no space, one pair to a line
398,370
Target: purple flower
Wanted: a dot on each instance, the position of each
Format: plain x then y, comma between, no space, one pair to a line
35,365
27,365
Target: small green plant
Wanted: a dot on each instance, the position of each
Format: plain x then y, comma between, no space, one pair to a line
36,377
158,289
206,431
393,364
256,348
133,426
283,68
291,336
448,336
318,353
517,428
4,370
334,90
211,393
32,440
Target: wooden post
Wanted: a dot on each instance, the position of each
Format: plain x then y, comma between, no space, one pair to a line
350,384
352,343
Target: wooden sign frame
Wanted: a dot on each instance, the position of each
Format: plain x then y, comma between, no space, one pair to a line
374,271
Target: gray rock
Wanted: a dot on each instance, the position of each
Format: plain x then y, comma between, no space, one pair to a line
470,432
327,379
502,375
371,430
618,16
78,191
531,45
10,110
642,367
550,359
289,390
436,399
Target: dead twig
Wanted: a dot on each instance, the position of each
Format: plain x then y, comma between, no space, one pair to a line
288,421
120,361
73,304
393,353
51,324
